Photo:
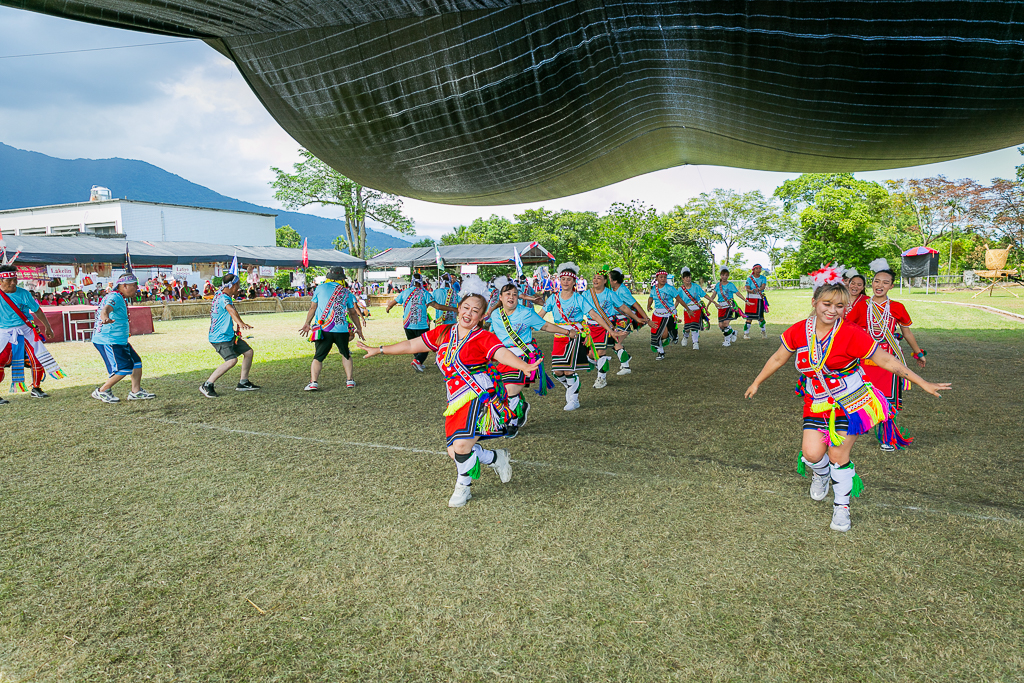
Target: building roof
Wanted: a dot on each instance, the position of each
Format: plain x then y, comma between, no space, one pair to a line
456,254
86,249
95,204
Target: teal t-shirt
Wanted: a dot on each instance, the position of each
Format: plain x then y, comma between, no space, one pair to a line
322,295
575,307
222,327
24,300
115,332
664,300
524,320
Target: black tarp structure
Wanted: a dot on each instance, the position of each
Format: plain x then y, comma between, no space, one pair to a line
76,250
511,101
920,265
458,254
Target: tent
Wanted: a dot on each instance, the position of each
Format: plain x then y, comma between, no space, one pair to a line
458,254
88,249
919,262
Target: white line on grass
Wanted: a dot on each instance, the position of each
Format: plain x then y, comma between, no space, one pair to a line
531,463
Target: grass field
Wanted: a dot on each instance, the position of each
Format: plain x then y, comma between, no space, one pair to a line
659,533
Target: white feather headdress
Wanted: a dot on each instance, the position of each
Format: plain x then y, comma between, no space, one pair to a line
472,284
827,275
569,267
878,264
850,272
500,282
685,271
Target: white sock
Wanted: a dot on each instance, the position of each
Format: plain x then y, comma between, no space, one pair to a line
465,467
821,468
572,388
696,337
842,482
485,456
623,357
563,380
603,365
661,346
513,402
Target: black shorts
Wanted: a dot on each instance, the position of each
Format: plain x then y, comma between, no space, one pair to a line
329,339
231,349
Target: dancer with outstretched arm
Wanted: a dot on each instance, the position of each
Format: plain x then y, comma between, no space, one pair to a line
839,404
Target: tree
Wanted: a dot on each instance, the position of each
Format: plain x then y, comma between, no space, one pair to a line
314,182
773,235
341,244
569,235
730,218
839,216
287,237
1007,225
631,234
425,242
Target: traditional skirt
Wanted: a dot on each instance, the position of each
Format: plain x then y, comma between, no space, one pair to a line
568,354
728,313
475,420
622,323
600,337
754,310
886,382
691,320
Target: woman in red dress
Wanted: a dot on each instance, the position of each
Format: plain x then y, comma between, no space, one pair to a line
879,316
478,408
839,404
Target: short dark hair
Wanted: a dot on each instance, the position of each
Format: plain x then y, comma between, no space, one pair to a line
723,270
616,276
510,285
8,269
228,279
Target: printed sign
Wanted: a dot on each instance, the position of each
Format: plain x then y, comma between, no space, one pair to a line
60,271
182,270
31,272
402,271
268,271
469,269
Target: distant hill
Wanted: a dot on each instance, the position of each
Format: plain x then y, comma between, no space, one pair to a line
34,179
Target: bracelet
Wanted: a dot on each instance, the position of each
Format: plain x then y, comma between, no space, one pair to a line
382,349
919,355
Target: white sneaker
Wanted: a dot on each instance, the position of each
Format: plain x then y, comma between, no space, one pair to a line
696,346
105,396
764,333
624,371
501,466
726,341
460,496
841,518
140,395
819,486
746,337
572,405
600,382
887,448
733,336
312,386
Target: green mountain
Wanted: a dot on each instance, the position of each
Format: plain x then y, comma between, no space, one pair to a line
34,179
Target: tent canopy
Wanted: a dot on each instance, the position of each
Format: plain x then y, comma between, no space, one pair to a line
85,249
919,251
457,254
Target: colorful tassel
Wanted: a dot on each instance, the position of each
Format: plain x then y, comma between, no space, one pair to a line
888,433
474,473
834,437
800,389
462,399
17,386
801,466
858,486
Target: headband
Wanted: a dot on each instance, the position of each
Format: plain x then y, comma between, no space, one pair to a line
661,272
12,275
127,279
568,272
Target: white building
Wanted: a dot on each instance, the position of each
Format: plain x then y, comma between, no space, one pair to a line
147,221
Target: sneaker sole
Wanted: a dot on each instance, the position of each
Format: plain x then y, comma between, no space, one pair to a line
312,389
39,396
247,388
823,497
838,528
627,372
141,398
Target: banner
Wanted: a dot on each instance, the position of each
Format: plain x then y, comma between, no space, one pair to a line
182,270
469,269
31,272
403,271
61,272
268,271
218,270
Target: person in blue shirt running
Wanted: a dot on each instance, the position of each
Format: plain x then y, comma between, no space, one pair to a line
21,344
691,294
514,324
415,300
446,295
332,307
756,304
721,295
612,305
664,298
569,310
110,337
225,336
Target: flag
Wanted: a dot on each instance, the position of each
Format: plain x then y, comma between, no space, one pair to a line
519,261
437,258
234,265
127,259
305,253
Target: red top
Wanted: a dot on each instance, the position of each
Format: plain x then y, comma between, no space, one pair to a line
858,315
477,350
851,345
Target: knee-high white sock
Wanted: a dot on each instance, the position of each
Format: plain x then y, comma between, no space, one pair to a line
468,466
696,337
821,468
623,357
845,483
603,365
513,405
563,380
572,388
661,346
746,327
761,324
485,456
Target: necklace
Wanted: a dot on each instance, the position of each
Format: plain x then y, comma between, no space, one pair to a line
817,353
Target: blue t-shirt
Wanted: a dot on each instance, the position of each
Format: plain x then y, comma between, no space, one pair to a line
524,321
696,291
24,300
575,308
322,295
117,331
760,281
662,297
609,301
414,300
446,296
222,327
528,291
625,296
724,295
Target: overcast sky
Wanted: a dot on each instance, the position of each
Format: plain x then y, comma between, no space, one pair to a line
185,108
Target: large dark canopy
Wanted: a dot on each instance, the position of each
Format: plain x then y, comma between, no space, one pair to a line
502,101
